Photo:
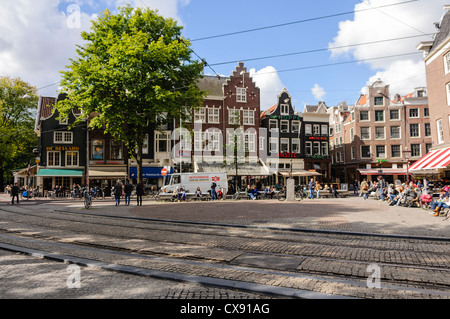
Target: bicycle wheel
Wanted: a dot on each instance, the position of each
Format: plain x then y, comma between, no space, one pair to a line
298,195
281,196
87,202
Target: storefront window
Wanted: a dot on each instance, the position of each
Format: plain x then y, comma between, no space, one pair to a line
116,150
97,149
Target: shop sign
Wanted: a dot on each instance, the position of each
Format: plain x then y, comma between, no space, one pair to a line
62,148
317,138
287,155
286,117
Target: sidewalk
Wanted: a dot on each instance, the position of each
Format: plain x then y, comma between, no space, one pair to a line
352,214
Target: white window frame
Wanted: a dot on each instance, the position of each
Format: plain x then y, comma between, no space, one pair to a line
308,148
65,137
200,115
383,154
77,159
440,131
420,150
414,117
324,130
392,153
361,134
273,141
418,130
271,122
316,129
213,115
394,119
364,112
316,146
213,140
160,137
249,117
294,124
241,95
234,116
284,141
447,62
295,141
284,109
308,129
375,116
53,153
384,132
399,132
324,148
284,122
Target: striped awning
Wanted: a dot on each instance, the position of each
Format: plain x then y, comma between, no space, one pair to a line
433,160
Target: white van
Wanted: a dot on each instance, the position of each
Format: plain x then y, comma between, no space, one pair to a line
190,181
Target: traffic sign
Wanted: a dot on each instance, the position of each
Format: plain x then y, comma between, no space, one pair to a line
164,172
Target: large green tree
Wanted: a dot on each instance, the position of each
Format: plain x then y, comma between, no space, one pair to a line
18,103
134,73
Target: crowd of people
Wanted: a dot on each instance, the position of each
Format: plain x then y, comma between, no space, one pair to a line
409,194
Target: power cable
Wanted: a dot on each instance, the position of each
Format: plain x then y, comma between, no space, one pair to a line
298,21
319,50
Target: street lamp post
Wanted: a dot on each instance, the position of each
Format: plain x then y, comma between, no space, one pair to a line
407,155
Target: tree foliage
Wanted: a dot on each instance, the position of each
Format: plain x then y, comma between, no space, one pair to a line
133,74
17,138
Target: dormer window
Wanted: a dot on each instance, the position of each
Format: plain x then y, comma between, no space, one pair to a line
241,95
378,101
284,109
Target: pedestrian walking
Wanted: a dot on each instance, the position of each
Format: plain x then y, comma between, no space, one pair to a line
311,187
15,193
381,187
139,193
118,193
128,189
365,189
213,190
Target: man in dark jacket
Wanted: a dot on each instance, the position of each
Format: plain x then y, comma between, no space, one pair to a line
15,193
118,192
128,190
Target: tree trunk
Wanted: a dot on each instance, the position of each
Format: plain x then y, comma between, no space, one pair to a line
139,162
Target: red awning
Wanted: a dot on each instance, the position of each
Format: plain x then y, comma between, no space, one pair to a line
433,160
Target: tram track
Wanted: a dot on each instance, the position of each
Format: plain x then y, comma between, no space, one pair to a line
318,255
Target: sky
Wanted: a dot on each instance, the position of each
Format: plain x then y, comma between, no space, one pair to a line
323,50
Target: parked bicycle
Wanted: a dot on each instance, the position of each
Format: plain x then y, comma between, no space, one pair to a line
87,199
299,194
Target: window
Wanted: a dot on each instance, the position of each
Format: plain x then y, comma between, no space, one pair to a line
308,148
284,145
295,126
145,145
116,150
213,115
365,151
200,115
71,158
308,129
53,158
249,117
426,112
353,152
364,115
395,131
413,113
316,148
427,147
396,151
295,145
415,150
324,148
249,142
379,133
284,126
241,95
378,100
97,149
199,141
381,151
448,93
262,141
162,142
427,129
379,116
284,109
62,137
213,141
273,145
316,129
394,114
414,130
233,117
365,133
324,130
273,125
447,63
352,134
64,122
440,131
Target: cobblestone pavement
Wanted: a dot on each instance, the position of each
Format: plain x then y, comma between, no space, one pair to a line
24,277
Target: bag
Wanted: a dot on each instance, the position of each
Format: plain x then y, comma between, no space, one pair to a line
364,188
426,198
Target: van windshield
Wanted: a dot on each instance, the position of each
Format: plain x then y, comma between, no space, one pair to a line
172,179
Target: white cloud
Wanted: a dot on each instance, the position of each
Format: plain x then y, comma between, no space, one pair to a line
318,92
269,83
388,23
37,38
